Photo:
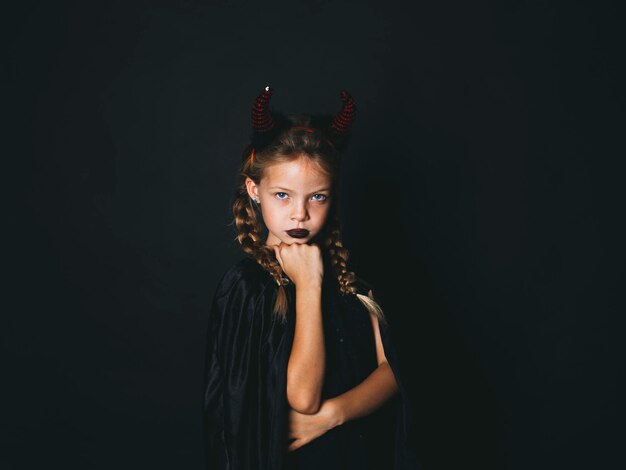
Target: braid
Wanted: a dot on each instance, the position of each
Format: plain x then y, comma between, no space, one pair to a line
339,258
249,236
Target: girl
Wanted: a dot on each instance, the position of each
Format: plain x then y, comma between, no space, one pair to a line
301,371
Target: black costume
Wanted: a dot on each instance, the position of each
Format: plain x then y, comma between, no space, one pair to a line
245,400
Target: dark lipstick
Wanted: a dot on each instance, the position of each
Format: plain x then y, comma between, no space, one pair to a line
298,232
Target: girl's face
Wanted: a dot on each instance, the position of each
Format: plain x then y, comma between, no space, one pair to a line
292,195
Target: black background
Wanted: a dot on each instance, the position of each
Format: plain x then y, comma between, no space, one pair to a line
482,197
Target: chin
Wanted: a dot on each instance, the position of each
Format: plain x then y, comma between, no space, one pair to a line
299,241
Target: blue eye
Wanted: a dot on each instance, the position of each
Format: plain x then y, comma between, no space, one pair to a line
315,197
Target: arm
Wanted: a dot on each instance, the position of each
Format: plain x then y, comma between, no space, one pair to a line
305,370
366,397
373,392
359,401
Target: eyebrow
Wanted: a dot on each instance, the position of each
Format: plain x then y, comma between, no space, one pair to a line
291,190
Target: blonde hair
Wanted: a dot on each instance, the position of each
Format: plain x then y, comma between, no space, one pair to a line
295,142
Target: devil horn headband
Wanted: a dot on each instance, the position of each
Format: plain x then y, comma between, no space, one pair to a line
263,121
342,121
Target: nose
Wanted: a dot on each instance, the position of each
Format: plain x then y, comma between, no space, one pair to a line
299,211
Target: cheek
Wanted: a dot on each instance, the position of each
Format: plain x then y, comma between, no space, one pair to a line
272,212
321,212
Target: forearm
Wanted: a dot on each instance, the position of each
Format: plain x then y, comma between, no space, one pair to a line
366,397
305,370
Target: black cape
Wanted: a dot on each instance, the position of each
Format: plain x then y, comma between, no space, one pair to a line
245,399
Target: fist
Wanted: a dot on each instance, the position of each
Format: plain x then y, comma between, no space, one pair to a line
301,262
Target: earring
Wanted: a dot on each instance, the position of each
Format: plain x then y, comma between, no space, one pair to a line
255,200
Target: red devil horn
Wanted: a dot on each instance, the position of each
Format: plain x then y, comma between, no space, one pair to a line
262,119
342,121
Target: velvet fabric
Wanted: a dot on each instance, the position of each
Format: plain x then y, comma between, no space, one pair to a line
245,401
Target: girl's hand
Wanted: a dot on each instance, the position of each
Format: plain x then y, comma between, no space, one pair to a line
304,428
301,262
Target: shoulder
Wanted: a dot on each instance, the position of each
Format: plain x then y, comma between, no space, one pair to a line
245,274
241,308
243,295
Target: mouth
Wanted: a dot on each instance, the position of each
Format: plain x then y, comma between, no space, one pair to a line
298,232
